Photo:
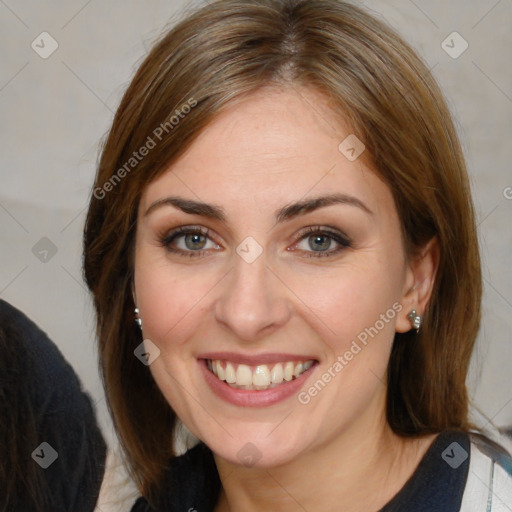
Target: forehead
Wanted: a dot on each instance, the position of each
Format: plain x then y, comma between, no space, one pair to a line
274,146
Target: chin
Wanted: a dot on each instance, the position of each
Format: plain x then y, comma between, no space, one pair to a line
256,448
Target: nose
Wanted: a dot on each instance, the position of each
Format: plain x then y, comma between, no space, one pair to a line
253,302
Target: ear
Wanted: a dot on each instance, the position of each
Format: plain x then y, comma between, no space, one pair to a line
419,282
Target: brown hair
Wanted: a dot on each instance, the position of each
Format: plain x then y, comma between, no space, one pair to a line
220,53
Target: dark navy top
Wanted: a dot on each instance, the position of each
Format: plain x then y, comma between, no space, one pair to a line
65,454
437,484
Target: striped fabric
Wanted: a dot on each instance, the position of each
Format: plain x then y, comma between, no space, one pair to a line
489,483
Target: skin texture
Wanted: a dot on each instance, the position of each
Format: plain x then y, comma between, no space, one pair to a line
268,151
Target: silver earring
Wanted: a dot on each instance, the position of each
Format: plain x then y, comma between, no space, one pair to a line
138,319
415,319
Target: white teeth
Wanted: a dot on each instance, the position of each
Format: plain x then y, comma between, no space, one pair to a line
220,371
277,374
243,375
230,374
288,371
259,377
308,365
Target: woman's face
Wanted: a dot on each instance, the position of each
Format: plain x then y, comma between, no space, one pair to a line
274,258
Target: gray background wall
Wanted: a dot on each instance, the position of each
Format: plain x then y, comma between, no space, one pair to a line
54,112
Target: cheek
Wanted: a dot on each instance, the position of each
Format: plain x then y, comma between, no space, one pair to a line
170,301
352,300
355,315
172,305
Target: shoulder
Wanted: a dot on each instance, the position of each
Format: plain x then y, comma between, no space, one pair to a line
38,364
58,415
489,482
27,338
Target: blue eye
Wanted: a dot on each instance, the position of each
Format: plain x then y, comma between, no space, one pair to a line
320,242
313,241
188,241
194,241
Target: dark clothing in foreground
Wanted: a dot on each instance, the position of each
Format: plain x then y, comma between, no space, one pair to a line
438,484
66,464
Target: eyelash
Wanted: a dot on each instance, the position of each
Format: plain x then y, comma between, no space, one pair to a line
341,239
184,230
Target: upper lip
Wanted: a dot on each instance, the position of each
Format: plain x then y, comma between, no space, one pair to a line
255,359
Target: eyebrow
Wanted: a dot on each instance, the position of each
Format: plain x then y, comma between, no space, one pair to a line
308,205
189,206
285,213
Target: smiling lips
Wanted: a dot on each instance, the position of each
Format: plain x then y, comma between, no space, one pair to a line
260,377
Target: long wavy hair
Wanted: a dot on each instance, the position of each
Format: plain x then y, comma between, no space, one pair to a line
375,82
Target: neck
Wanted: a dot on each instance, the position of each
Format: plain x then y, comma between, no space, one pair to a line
363,467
